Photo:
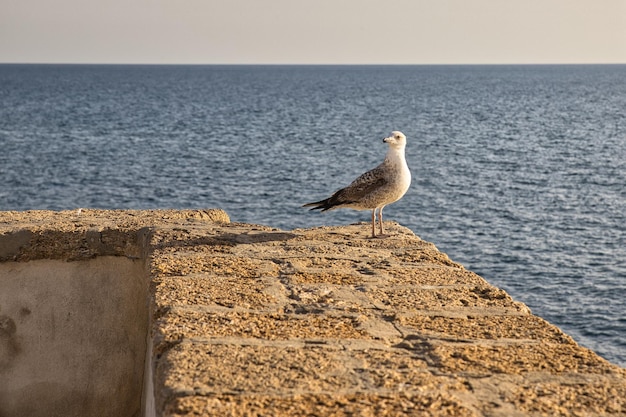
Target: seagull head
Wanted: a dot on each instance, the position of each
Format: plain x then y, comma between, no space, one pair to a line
397,140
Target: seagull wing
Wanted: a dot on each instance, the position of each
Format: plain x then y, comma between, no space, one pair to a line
364,185
361,187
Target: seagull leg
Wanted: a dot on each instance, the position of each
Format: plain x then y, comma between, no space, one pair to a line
373,223
382,234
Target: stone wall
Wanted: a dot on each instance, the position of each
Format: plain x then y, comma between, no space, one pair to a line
250,320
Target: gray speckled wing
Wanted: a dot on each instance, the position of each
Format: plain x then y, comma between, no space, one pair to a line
364,186
358,194
366,183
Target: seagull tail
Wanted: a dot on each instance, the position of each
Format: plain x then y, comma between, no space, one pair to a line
322,205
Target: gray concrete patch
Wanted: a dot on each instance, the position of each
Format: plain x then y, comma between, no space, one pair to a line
72,337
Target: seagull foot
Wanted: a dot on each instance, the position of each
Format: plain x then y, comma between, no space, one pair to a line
380,236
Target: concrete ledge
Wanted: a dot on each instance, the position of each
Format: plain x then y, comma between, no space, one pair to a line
250,320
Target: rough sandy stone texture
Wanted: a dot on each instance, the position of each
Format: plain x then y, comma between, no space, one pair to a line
484,327
366,404
575,399
85,233
326,321
249,320
270,326
203,290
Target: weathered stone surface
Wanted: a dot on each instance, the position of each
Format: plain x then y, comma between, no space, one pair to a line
249,320
85,233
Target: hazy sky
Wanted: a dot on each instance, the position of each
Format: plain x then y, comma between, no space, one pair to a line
313,31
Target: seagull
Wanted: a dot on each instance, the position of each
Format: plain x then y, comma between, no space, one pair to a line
377,188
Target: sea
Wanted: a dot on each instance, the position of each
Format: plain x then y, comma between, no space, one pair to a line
519,172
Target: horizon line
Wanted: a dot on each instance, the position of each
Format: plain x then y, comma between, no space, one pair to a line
314,64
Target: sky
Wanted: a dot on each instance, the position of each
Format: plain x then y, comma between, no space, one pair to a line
313,32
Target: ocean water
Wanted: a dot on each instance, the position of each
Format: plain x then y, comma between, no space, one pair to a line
519,172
